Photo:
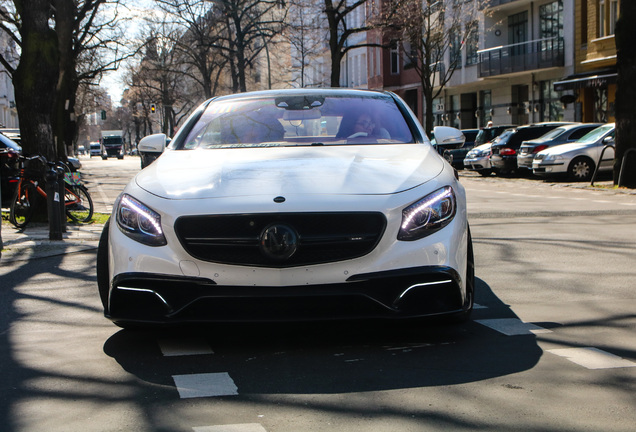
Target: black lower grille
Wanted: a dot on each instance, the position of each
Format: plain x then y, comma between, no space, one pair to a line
305,239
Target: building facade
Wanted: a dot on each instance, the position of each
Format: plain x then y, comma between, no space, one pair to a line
593,85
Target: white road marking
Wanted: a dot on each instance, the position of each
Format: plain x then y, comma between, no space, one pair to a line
183,347
205,385
593,358
104,197
513,326
247,427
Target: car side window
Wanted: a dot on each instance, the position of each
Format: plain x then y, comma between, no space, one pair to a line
580,132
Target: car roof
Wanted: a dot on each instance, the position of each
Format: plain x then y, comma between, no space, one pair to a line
333,92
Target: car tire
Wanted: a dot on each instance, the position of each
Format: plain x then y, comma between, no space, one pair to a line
581,169
485,173
102,266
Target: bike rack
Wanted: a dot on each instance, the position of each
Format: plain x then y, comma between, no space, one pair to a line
599,162
623,162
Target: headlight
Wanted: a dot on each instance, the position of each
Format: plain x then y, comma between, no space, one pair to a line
139,222
553,157
428,215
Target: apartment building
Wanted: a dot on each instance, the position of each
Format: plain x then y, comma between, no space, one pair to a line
507,70
593,85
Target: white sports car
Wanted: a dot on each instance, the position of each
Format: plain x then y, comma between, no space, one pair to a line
290,205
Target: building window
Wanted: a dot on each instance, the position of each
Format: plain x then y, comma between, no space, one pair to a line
395,59
608,11
472,43
551,26
550,102
456,49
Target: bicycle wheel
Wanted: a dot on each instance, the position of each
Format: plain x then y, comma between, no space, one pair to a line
79,204
22,204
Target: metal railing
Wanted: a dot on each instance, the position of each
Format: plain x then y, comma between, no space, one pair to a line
520,57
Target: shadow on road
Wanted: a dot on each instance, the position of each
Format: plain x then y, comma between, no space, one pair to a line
326,358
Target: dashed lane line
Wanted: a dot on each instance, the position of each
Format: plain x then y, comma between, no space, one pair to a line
512,326
205,385
248,427
593,358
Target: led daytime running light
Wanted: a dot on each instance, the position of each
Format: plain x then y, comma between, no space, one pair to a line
144,212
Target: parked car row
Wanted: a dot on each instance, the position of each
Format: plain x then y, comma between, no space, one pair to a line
546,149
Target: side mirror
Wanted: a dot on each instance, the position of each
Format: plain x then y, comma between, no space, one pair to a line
608,140
447,138
152,143
151,147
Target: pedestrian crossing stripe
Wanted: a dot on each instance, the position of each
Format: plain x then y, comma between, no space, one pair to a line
512,326
249,427
205,385
593,358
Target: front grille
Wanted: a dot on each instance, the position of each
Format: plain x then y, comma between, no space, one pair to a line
320,237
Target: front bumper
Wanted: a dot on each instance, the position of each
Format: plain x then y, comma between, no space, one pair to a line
477,163
524,160
396,294
548,168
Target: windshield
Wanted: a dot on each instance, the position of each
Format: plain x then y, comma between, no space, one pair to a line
554,133
596,134
299,120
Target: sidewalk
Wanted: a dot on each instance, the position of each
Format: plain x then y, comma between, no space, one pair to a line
33,242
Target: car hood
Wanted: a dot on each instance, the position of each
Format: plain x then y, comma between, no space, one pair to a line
566,148
218,173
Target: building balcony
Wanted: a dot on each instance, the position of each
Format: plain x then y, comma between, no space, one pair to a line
521,57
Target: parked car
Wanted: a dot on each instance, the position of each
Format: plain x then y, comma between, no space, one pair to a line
560,135
478,159
9,152
277,205
95,149
489,133
456,156
578,160
504,152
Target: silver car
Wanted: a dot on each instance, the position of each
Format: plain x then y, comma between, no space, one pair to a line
578,160
478,159
561,135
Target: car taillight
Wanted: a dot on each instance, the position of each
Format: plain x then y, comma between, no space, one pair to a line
537,149
507,152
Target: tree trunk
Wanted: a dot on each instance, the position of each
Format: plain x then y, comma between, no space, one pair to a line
626,94
334,43
66,89
36,77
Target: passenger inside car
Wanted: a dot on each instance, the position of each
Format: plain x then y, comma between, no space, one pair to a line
361,124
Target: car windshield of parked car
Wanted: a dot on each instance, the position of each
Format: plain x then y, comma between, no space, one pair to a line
596,134
295,120
554,133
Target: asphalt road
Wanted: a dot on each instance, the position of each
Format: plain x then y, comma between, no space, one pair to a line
550,346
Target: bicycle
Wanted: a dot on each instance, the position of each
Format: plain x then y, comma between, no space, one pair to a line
77,201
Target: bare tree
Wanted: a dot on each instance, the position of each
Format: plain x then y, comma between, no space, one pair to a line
73,41
199,41
626,94
306,34
28,26
338,15
249,26
430,34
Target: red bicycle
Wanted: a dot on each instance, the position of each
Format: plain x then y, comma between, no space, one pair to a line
77,201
